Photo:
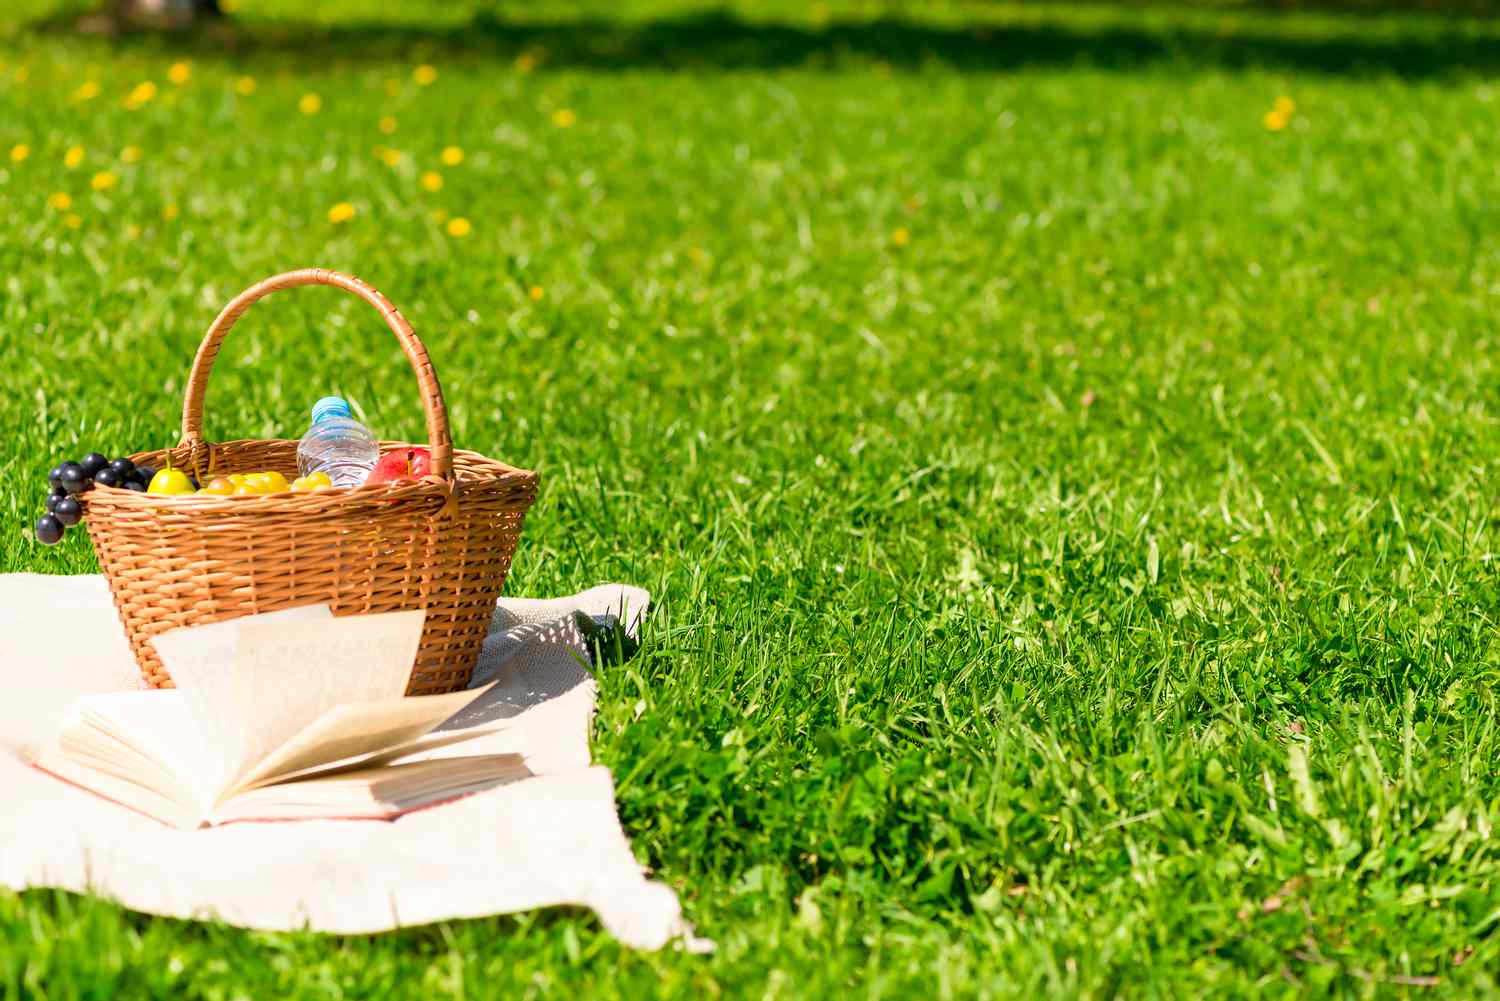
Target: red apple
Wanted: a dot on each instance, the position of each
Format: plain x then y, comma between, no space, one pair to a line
408,463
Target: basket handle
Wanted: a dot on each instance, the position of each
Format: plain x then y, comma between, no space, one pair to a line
438,436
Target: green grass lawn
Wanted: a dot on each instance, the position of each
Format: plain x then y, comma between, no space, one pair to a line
1069,498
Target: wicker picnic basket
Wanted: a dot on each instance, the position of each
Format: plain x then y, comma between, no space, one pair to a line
443,543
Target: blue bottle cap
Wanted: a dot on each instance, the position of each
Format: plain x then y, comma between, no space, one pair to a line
329,406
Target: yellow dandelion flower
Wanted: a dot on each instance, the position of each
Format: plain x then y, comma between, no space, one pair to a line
424,74
60,200
536,293
342,212
245,86
86,91
388,124
140,95
310,104
73,157
19,152
526,62
132,232
459,226
180,73
432,181
1285,105
130,154
392,87
72,220
439,216
452,156
103,181
698,255
901,236
1274,120
564,118
390,157
170,211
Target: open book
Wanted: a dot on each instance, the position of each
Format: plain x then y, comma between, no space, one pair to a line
286,715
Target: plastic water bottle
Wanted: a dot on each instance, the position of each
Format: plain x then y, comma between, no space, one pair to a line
337,445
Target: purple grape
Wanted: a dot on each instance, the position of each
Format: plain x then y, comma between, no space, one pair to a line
123,468
68,511
73,478
92,463
49,531
54,478
135,485
107,477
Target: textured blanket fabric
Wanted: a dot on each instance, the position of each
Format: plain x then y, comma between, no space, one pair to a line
553,838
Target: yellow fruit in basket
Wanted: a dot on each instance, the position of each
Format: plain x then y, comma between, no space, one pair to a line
311,483
219,486
170,481
274,483
238,479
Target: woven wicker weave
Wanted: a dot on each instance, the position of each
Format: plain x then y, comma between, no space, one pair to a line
443,543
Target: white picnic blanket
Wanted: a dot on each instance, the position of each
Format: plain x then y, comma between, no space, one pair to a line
551,839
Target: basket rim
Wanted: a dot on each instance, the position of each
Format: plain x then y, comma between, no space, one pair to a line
465,478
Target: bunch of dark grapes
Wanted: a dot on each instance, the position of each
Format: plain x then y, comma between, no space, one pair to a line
70,480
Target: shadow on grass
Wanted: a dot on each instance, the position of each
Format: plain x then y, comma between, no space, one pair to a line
720,41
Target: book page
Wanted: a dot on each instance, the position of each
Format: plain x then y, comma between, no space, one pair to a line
375,793
200,660
347,731
141,749
156,724
129,794
288,674
426,747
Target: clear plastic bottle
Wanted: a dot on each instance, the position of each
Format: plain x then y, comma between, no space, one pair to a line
337,444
